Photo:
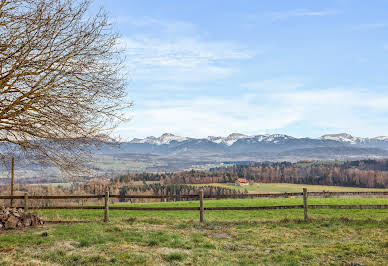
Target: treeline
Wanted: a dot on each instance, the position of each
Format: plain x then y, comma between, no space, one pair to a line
178,189
361,173
365,173
98,187
182,177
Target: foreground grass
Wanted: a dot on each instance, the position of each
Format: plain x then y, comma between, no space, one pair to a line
227,238
148,241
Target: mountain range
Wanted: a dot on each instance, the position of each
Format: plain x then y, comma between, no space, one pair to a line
169,153
240,143
169,138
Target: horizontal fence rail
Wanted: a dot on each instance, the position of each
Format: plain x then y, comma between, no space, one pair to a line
201,198
261,195
209,208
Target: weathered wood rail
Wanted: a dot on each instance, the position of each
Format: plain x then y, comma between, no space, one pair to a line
196,196
201,198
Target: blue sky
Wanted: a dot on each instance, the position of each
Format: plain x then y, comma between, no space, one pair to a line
302,68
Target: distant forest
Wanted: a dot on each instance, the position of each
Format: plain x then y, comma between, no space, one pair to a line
362,173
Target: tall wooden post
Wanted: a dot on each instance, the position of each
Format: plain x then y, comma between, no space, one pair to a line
12,178
106,214
305,206
26,202
201,208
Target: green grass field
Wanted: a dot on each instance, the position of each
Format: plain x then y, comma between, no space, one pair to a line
285,187
270,237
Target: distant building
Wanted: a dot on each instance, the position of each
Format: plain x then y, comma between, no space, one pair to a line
241,182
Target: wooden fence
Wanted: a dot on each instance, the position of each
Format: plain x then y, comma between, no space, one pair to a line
201,198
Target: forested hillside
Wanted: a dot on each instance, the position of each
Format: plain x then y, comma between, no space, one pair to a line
364,173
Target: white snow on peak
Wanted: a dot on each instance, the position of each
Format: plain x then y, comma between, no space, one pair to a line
381,138
342,137
272,138
232,138
229,140
215,139
166,138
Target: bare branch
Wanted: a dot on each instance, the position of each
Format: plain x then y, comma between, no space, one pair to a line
61,82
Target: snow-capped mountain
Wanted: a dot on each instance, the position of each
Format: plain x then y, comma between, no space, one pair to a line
346,138
166,138
171,152
342,137
383,138
229,140
237,138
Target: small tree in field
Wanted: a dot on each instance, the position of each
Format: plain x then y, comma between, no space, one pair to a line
61,86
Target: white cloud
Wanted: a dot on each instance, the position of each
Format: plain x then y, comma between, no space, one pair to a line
174,51
171,66
354,111
181,59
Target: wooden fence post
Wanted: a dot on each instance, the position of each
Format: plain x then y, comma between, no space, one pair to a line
106,214
201,208
26,202
305,206
12,178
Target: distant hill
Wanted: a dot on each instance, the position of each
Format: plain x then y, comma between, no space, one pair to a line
259,147
169,153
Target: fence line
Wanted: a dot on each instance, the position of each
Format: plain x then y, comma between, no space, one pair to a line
201,198
209,208
196,196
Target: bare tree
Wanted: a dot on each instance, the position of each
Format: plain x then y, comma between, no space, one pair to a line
61,81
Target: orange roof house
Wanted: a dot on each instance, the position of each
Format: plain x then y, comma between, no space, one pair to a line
241,182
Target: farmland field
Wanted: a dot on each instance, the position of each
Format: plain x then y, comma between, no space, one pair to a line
286,187
226,238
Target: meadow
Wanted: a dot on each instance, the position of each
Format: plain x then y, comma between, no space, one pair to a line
280,237
286,187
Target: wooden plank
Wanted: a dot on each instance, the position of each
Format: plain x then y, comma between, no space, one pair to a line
156,209
35,197
115,208
349,193
106,212
154,196
12,179
26,202
253,208
212,208
263,195
306,218
201,207
101,197
9,197
167,208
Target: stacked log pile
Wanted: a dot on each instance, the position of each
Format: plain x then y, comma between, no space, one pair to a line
12,218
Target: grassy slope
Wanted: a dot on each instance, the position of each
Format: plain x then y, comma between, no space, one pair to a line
227,237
